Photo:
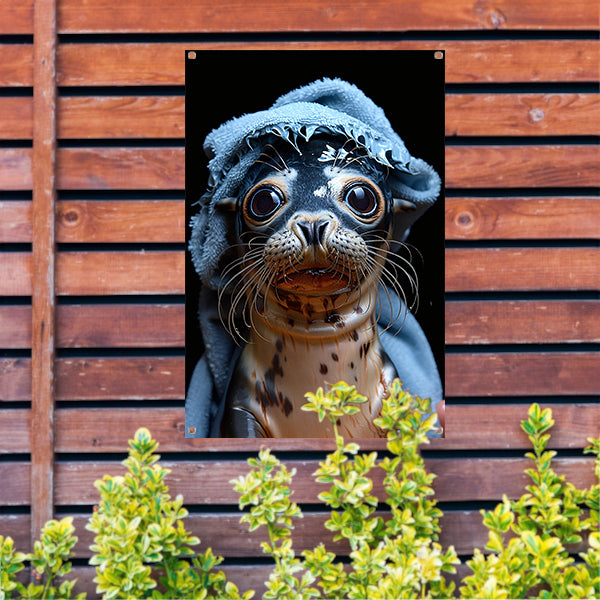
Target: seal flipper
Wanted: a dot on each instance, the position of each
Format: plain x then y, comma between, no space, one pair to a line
242,423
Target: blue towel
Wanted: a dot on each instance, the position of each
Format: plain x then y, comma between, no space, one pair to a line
327,106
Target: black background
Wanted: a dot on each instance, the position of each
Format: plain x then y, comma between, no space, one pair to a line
408,85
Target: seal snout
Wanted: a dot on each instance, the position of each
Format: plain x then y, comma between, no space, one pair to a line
313,232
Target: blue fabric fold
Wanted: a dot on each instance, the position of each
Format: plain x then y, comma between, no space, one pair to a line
324,107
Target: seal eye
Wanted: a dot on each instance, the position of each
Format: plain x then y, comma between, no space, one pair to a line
362,200
264,202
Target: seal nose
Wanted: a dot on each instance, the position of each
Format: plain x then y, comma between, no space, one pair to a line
313,231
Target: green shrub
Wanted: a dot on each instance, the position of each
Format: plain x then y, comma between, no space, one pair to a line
49,561
527,553
141,548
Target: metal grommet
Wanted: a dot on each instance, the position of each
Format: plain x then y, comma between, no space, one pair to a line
191,430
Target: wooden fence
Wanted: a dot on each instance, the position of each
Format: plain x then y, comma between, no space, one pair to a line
92,232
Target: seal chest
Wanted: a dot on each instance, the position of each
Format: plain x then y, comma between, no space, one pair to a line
314,233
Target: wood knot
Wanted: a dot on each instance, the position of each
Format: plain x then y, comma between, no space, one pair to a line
496,18
536,115
71,216
465,219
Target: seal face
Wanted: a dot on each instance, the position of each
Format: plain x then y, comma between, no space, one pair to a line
313,228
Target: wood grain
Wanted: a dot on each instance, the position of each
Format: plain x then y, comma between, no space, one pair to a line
522,166
15,435
107,273
522,218
16,16
43,265
466,115
481,374
208,482
100,273
469,427
467,218
523,322
16,65
500,61
227,537
121,117
120,378
522,114
84,326
466,167
376,15
120,168
16,118
121,221
15,221
15,169
522,374
153,378
523,269
162,272
16,269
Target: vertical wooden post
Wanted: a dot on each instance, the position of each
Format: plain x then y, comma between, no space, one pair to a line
43,300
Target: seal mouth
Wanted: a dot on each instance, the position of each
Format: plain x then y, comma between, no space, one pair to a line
321,280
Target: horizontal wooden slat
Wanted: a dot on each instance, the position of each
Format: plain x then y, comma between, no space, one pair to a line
466,115
16,65
468,427
522,269
153,378
16,118
522,322
84,326
120,378
522,114
206,483
479,374
522,218
100,221
163,168
121,117
209,482
518,374
466,167
466,61
336,15
467,218
120,168
106,273
121,221
522,166
15,169
100,273
131,325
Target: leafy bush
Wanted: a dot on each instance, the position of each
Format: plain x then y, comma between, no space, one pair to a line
49,560
142,550
527,554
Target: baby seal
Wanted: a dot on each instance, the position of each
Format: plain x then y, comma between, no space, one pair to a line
314,227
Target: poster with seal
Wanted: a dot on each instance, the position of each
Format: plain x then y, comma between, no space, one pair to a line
314,235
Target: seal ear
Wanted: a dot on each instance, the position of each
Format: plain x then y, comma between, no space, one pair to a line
401,205
226,204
